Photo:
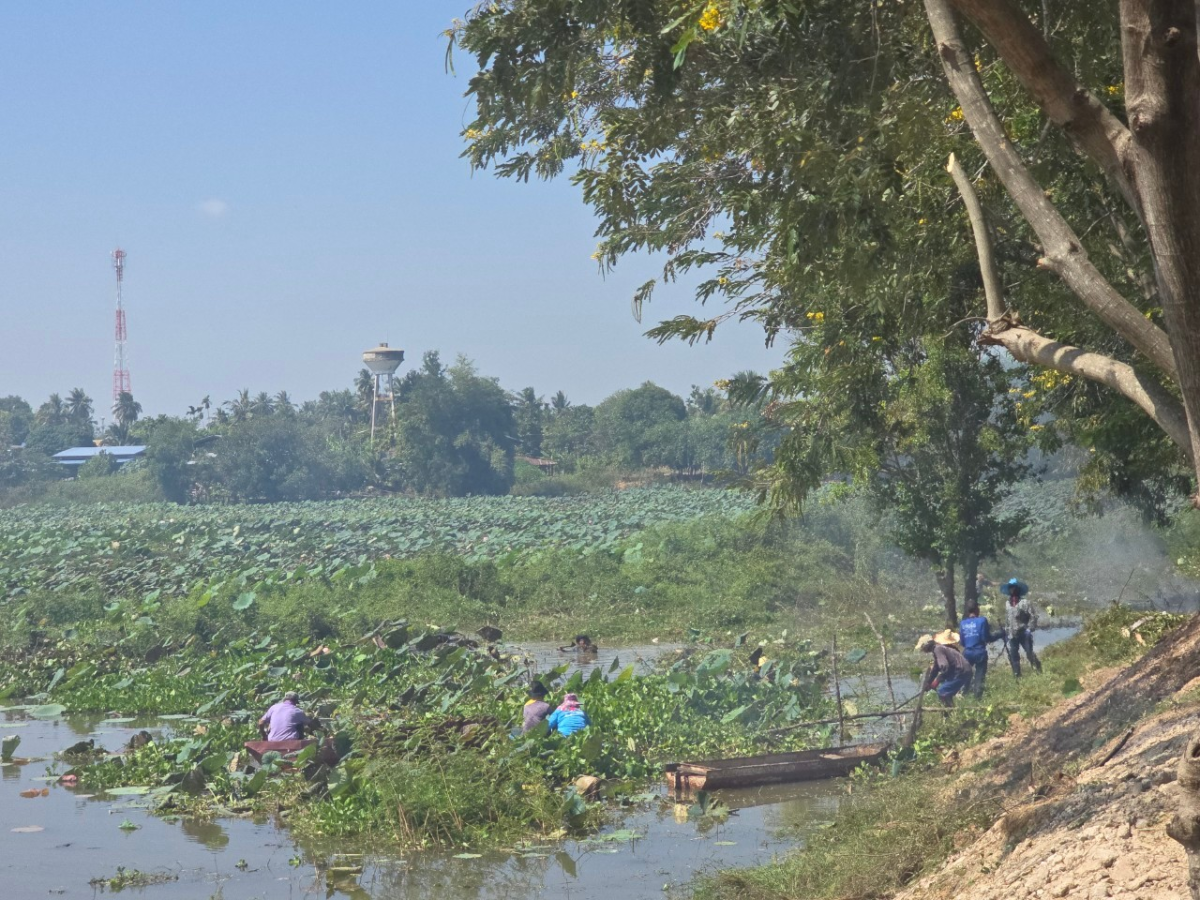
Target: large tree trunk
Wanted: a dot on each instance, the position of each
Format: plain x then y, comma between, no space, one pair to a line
970,584
1185,826
1162,98
945,580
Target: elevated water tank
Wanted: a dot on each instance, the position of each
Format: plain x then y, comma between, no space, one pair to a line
383,360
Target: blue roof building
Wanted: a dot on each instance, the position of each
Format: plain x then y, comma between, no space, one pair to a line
77,456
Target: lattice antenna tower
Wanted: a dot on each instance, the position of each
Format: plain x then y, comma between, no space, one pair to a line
121,383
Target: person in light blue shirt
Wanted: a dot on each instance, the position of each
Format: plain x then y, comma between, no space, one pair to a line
569,717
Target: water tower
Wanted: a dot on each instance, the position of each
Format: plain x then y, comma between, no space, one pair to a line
382,362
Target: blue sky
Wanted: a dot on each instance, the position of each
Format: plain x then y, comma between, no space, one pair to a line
287,184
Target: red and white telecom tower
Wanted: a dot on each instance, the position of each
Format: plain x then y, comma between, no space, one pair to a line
121,382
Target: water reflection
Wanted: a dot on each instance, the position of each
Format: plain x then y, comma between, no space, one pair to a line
208,833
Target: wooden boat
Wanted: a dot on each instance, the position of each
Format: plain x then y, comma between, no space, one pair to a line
774,768
288,749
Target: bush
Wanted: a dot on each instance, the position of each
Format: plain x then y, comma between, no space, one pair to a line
1111,635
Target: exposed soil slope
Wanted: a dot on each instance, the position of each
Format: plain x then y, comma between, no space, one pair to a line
1086,789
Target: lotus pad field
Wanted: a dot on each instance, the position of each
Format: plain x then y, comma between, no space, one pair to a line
135,550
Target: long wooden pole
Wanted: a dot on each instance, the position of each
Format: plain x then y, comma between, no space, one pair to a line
887,672
837,691
873,715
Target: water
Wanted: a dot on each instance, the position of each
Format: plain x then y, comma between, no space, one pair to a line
80,838
541,656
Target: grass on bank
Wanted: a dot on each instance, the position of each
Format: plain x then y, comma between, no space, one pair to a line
895,829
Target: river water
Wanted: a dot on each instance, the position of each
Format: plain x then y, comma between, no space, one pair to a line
53,845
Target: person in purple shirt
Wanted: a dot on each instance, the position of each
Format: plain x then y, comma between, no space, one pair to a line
536,708
286,721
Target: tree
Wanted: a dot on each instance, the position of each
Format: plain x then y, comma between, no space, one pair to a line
16,418
752,141
79,407
455,432
241,407
570,432
559,403
631,422
52,412
126,411
275,458
817,132
169,452
529,413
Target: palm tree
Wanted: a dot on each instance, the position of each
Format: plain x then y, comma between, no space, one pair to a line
52,412
283,403
263,404
364,388
559,402
79,406
240,409
126,411
200,410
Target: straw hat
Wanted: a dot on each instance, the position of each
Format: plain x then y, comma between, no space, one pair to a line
923,640
947,638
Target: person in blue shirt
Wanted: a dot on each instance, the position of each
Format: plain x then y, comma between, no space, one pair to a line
975,632
569,717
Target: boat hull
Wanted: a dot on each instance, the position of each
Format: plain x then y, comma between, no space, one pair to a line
289,749
776,768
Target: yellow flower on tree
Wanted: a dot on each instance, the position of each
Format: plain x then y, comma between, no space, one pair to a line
711,19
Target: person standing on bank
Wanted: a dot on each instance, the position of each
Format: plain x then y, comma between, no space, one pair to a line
1022,618
976,633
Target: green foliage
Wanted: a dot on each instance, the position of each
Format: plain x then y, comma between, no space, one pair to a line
140,549
1113,634
435,767
169,452
99,466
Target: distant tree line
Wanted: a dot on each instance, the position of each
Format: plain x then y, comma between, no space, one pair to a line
455,432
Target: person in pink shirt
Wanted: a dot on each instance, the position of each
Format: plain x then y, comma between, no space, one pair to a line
286,721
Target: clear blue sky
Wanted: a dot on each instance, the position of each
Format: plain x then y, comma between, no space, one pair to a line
286,181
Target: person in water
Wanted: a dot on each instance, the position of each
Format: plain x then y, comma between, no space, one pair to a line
950,673
569,717
581,644
286,721
536,708
1022,619
976,633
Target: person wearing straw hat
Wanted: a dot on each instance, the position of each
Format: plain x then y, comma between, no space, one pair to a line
950,672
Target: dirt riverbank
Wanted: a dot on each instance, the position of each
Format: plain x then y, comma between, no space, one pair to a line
1085,790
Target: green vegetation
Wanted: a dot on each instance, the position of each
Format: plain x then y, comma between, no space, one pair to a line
426,718
897,828
455,433
128,552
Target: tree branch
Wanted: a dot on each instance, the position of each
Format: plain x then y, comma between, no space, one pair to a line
1064,254
983,240
1026,345
1094,130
